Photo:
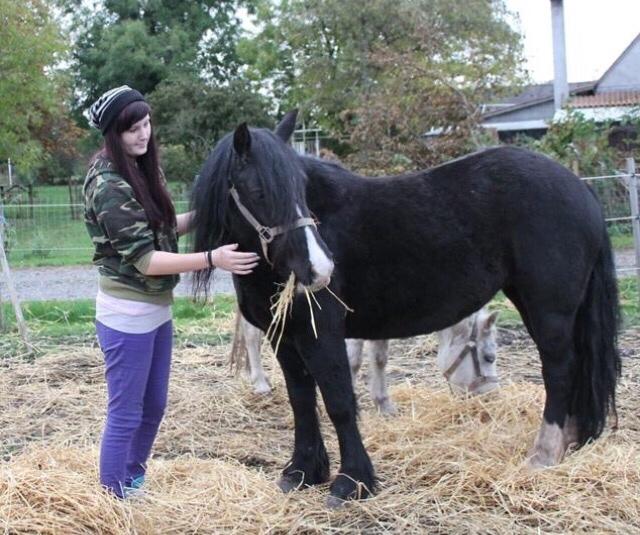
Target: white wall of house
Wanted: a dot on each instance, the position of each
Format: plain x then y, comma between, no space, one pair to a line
625,73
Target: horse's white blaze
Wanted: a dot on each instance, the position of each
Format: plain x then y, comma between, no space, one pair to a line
321,263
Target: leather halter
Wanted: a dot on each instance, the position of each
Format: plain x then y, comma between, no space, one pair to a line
471,348
267,234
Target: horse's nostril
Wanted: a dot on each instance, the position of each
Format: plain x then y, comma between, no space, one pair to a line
489,357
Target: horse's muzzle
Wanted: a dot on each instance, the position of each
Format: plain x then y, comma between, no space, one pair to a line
317,284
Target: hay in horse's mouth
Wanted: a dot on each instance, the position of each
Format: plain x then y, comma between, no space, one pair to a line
281,303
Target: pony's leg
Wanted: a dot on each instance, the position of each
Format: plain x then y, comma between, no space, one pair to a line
554,338
252,340
327,361
378,351
309,464
354,352
553,334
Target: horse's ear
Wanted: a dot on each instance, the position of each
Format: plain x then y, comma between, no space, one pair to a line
286,127
491,320
242,140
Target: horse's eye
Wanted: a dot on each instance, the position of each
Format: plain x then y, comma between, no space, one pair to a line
257,194
490,357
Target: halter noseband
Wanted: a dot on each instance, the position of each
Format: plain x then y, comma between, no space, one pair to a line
471,348
267,234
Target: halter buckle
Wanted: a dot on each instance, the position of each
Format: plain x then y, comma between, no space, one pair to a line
265,234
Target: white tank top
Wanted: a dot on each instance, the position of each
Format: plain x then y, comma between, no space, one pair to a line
127,316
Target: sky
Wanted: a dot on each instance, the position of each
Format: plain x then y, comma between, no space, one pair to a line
596,33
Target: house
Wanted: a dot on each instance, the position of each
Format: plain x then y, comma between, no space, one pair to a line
614,95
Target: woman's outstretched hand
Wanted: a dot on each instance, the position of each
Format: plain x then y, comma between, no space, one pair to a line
226,257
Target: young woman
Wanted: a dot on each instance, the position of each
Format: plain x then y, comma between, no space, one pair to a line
134,228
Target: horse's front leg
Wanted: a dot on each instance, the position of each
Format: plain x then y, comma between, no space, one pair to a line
309,464
326,359
253,341
378,351
354,352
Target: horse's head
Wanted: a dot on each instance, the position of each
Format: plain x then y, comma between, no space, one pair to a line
467,353
252,190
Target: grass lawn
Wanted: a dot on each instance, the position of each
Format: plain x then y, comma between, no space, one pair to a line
52,232
62,321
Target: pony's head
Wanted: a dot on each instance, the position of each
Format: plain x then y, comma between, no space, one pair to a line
251,190
467,353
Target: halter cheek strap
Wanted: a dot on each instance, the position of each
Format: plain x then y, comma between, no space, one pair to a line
267,234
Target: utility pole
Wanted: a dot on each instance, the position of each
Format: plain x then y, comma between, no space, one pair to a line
560,83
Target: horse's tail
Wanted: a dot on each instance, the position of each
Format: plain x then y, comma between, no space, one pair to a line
598,364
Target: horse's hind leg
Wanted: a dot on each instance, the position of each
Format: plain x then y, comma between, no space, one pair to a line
553,334
309,464
557,432
378,351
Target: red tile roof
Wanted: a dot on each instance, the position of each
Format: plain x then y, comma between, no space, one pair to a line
606,99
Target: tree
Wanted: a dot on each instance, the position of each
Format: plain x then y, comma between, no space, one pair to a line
181,56
193,114
30,94
384,72
142,43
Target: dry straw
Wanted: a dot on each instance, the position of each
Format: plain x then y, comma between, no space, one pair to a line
282,302
281,305
446,464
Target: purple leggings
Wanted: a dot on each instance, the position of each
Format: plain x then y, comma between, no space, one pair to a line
137,374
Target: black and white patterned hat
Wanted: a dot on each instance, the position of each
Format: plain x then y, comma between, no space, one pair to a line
104,110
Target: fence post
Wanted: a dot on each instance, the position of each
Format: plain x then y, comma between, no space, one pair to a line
13,295
635,212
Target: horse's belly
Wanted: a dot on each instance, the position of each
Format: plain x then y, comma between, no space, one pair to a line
392,329
373,327
408,302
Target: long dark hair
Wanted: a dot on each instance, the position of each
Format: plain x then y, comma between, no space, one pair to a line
145,177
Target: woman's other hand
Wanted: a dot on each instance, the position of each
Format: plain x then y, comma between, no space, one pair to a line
228,258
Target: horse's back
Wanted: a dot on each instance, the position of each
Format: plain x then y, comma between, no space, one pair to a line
430,248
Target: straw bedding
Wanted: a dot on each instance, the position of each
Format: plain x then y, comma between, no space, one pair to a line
446,465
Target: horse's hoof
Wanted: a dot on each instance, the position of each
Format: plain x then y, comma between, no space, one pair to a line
541,458
261,384
539,462
386,408
333,502
289,484
262,390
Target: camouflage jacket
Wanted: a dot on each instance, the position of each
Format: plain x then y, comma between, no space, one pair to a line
123,239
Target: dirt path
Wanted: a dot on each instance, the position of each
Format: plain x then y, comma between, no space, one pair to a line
80,282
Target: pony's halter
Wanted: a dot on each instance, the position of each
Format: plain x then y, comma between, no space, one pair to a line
266,234
471,348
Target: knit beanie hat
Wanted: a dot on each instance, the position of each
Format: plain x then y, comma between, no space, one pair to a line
104,110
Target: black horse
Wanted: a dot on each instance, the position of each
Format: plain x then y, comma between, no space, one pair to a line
413,254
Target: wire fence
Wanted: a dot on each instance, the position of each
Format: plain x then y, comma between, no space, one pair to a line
51,230
49,234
